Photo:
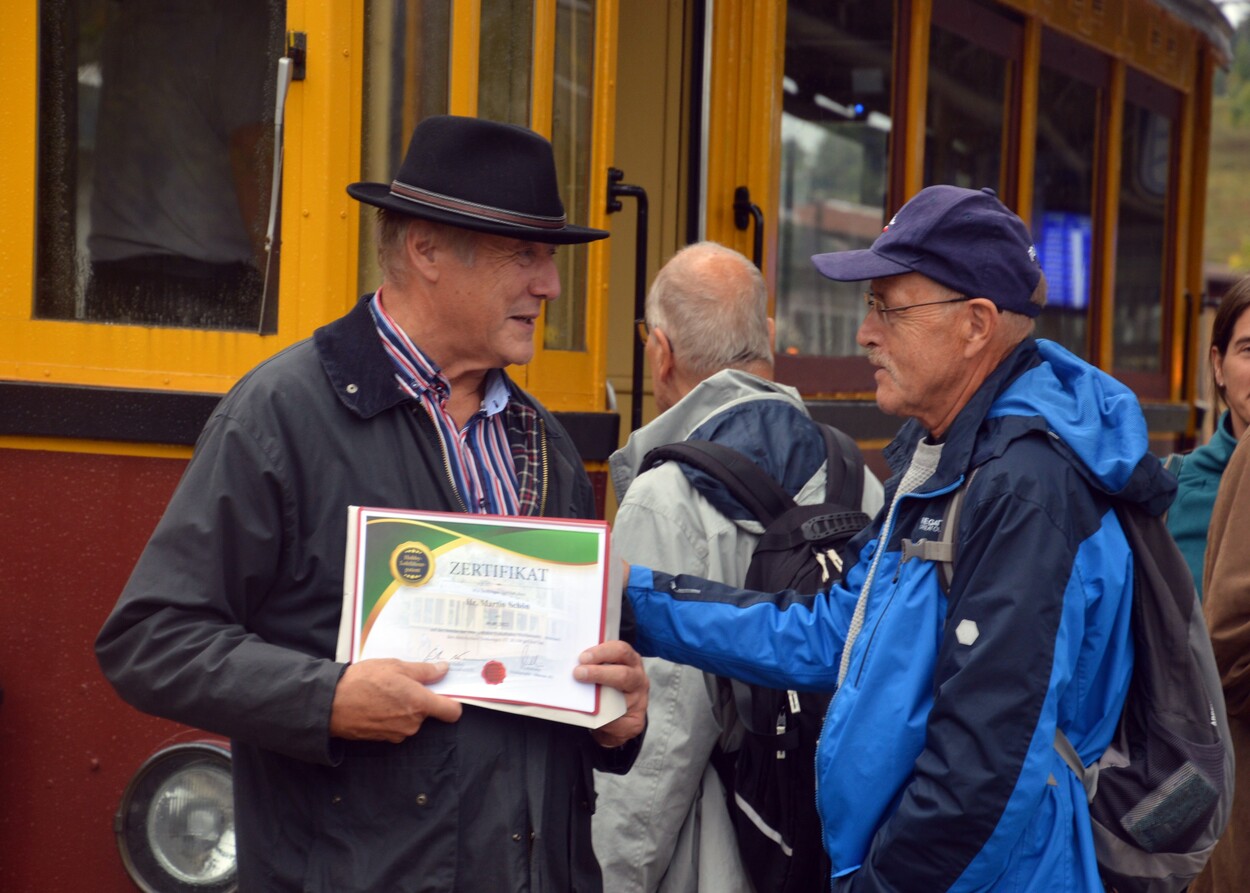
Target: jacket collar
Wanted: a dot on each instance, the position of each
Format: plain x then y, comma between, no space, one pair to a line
361,372
712,397
354,360
963,449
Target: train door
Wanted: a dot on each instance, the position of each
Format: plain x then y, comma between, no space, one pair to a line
696,129
543,64
766,127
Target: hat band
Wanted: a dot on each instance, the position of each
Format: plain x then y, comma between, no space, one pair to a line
473,209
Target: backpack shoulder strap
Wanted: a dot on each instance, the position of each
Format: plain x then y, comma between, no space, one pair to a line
1088,775
944,549
950,530
758,492
844,469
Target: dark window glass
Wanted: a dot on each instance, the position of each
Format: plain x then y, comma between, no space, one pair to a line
835,128
156,153
1141,267
505,61
1071,83
406,79
572,104
971,69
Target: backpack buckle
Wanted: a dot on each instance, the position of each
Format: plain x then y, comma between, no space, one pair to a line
928,550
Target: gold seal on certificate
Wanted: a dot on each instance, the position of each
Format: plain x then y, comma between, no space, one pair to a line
411,564
509,603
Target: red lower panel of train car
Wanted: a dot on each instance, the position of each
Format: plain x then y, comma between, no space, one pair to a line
71,527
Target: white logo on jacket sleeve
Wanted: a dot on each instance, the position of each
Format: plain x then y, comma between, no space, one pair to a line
967,632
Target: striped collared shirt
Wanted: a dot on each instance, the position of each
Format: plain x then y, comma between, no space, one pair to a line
479,459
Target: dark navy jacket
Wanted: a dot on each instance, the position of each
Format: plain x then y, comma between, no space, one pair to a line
230,620
936,767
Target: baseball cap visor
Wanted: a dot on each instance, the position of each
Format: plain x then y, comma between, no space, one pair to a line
857,266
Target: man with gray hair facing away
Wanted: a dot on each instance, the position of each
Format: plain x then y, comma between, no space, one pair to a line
666,826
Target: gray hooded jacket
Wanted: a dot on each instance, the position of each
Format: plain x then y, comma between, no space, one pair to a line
665,826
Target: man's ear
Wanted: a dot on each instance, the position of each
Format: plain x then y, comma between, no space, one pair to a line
663,366
981,323
422,251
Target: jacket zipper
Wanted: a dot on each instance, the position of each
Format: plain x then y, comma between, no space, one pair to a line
898,569
882,538
860,670
451,480
442,447
542,448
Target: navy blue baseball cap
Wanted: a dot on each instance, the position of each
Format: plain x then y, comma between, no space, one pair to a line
965,239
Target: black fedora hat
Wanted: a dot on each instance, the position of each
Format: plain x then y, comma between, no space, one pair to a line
479,175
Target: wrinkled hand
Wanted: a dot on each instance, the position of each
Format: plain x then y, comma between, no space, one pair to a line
386,700
617,665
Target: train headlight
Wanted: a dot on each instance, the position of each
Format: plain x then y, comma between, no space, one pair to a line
175,825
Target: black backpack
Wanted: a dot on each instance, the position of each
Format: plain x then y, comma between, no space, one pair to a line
770,777
1159,797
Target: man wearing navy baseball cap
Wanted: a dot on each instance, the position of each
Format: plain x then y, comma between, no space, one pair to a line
956,664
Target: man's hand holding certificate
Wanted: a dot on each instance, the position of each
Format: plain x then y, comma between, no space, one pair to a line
509,604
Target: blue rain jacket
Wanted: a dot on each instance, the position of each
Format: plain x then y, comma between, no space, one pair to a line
936,767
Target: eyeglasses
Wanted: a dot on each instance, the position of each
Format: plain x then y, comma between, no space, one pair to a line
873,301
643,330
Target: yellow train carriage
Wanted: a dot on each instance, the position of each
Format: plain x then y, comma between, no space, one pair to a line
172,211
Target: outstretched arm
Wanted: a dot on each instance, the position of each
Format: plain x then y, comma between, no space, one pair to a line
778,640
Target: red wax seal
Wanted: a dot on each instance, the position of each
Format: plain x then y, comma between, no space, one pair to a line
494,672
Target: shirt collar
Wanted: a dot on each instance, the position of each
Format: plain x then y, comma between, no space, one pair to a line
418,375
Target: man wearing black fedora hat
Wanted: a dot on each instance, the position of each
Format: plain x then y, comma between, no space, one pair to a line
357,777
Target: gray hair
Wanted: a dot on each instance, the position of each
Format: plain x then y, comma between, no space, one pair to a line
393,228
712,303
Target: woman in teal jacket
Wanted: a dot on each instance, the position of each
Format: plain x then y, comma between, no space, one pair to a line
1199,472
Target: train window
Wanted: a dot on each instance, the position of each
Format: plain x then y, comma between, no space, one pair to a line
1071,86
1141,265
572,89
505,61
407,70
835,129
155,161
973,53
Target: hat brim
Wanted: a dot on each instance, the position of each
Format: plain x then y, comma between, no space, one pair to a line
380,196
859,265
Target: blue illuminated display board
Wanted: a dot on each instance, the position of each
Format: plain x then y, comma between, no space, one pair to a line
1063,247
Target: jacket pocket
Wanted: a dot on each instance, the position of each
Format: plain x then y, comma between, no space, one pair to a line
389,819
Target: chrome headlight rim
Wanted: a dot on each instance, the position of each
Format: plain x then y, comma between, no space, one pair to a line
131,819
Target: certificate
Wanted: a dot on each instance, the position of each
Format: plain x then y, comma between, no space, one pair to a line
508,602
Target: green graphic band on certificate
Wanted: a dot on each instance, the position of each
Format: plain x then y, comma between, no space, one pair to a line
508,603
